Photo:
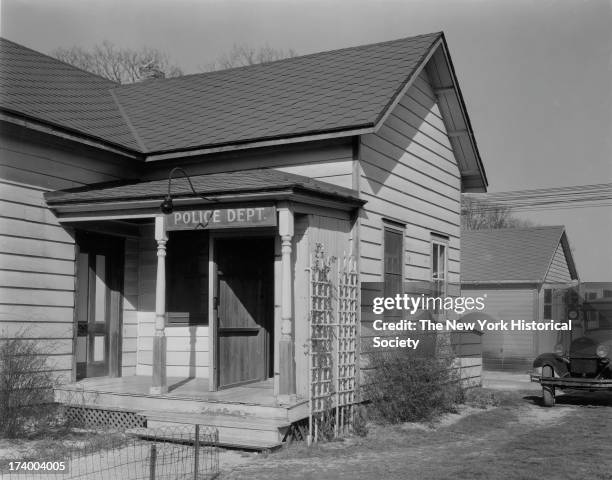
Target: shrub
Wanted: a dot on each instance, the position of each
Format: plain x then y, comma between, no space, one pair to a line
26,387
360,421
406,388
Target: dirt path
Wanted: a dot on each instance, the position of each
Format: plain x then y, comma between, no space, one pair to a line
518,440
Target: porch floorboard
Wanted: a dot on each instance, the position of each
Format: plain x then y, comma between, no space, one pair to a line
259,393
248,416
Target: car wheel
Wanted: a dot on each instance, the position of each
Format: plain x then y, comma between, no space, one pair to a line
548,393
547,371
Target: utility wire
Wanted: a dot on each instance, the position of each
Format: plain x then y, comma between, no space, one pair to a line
555,198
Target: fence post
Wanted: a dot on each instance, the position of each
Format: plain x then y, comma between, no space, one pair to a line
152,462
196,453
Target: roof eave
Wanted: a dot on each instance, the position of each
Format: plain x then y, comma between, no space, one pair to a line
472,180
26,121
501,282
126,208
271,142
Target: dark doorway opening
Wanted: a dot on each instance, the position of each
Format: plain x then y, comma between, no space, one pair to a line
98,301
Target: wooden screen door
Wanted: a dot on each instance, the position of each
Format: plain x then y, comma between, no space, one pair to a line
98,305
245,306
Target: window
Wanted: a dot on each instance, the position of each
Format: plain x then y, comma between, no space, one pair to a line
592,317
607,294
439,267
393,261
187,278
548,301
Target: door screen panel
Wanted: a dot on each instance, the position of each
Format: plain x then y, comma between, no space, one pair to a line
245,292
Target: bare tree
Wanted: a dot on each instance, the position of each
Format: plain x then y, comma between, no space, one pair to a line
479,214
122,65
242,55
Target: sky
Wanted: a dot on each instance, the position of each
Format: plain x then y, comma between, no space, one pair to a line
536,75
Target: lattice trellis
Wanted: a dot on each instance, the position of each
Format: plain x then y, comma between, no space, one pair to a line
346,370
321,343
334,303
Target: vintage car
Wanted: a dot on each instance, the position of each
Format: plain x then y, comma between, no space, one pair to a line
586,365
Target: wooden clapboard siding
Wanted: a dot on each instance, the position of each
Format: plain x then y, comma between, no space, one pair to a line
37,271
467,348
510,350
333,232
324,172
301,306
332,159
558,271
129,345
187,345
51,164
408,173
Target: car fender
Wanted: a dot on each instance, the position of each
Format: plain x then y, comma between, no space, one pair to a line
558,363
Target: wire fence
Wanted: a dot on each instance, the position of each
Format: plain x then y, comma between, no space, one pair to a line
176,453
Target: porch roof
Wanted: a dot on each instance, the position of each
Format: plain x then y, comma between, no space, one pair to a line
214,186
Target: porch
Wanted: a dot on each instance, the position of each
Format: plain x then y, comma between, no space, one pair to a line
249,416
199,313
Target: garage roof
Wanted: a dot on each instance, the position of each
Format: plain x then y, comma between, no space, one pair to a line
511,255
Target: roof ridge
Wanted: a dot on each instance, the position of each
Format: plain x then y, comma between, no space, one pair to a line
128,122
265,64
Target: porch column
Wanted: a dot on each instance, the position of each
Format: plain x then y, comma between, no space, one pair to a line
286,347
159,382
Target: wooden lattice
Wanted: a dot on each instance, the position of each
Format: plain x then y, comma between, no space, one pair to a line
321,342
99,417
333,344
346,346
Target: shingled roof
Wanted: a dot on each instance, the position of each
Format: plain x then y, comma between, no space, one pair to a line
39,87
325,92
210,185
511,255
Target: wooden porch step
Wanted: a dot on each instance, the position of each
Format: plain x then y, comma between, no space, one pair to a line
237,421
233,430
227,441
189,405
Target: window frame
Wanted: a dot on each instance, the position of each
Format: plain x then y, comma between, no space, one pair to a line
547,303
438,241
399,229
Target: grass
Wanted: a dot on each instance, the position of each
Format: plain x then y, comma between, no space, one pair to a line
510,438
58,445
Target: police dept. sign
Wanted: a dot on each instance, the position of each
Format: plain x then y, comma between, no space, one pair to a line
221,218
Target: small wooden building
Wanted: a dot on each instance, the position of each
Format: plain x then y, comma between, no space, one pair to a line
364,150
522,273
596,299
